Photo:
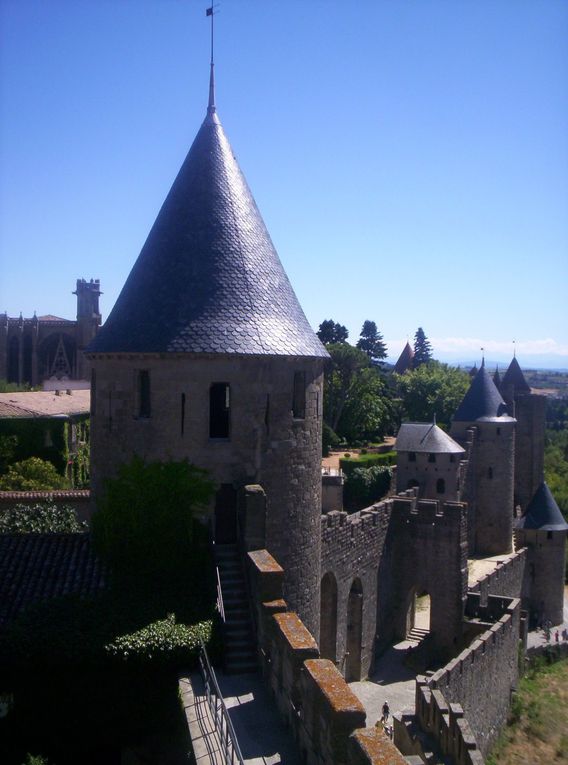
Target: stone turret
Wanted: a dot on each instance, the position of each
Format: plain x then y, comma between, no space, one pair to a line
88,320
207,355
542,530
483,421
429,460
529,409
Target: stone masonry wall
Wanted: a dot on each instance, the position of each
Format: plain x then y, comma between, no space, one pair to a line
266,444
506,579
352,548
482,677
325,717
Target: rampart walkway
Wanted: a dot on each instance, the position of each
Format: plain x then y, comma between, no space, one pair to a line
262,736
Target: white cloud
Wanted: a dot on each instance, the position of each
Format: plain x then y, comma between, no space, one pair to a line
472,345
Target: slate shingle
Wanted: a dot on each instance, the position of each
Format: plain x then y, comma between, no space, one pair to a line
208,278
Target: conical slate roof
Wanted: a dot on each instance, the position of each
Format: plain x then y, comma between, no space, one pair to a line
404,362
482,400
425,437
208,279
497,378
514,378
543,512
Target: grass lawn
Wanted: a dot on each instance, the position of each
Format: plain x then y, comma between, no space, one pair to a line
538,731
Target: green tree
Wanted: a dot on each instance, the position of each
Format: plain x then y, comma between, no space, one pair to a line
371,342
367,414
556,467
331,332
340,377
145,524
32,474
432,389
422,349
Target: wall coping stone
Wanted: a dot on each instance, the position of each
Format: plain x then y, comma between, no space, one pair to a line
263,561
335,690
296,634
373,746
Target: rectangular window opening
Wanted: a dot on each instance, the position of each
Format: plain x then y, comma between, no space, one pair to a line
93,392
219,410
144,406
182,413
299,396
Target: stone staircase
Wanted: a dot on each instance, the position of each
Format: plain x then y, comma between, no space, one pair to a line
420,742
238,636
418,634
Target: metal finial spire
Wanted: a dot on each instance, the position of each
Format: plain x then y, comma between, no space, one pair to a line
514,349
211,104
482,356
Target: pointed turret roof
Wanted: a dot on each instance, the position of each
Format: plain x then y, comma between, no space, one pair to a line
425,437
482,400
515,379
208,279
497,378
543,513
404,362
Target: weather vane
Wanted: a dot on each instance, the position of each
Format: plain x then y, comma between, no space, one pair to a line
211,105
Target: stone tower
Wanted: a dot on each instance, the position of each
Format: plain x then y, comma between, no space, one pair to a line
208,356
542,530
529,409
428,459
483,424
88,320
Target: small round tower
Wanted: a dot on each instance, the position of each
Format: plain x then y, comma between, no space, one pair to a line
542,530
207,356
482,419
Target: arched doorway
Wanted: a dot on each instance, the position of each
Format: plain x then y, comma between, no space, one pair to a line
328,618
354,632
418,614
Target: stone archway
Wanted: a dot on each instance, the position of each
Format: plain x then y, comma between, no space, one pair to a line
328,617
354,632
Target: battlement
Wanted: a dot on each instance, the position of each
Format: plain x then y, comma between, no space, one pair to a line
506,579
431,511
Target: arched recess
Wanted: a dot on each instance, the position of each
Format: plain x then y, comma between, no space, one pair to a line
28,350
328,618
57,356
354,632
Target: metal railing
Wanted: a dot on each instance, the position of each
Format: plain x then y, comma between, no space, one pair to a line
222,722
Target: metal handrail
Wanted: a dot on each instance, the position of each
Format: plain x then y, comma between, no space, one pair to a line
222,721
220,604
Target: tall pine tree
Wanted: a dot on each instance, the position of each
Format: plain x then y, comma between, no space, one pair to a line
371,342
422,349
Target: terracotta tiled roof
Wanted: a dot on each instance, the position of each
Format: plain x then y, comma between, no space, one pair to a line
50,317
208,279
44,496
39,567
44,404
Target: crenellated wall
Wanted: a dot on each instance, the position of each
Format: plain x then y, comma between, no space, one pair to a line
506,579
482,677
326,718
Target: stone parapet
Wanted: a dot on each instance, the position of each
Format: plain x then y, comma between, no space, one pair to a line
506,579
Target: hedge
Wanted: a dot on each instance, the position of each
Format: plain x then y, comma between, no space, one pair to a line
349,464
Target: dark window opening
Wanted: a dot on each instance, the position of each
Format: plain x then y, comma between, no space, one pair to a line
498,431
299,398
219,410
431,458
441,486
452,457
267,413
412,456
110,410
144,393
93,392
182,413
549,534
490,472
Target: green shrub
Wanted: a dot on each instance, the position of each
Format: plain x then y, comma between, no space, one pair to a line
349,464
145,525
163,641
33,474
40,519
329,440
363,486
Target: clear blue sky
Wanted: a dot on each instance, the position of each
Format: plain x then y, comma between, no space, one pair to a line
409,157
